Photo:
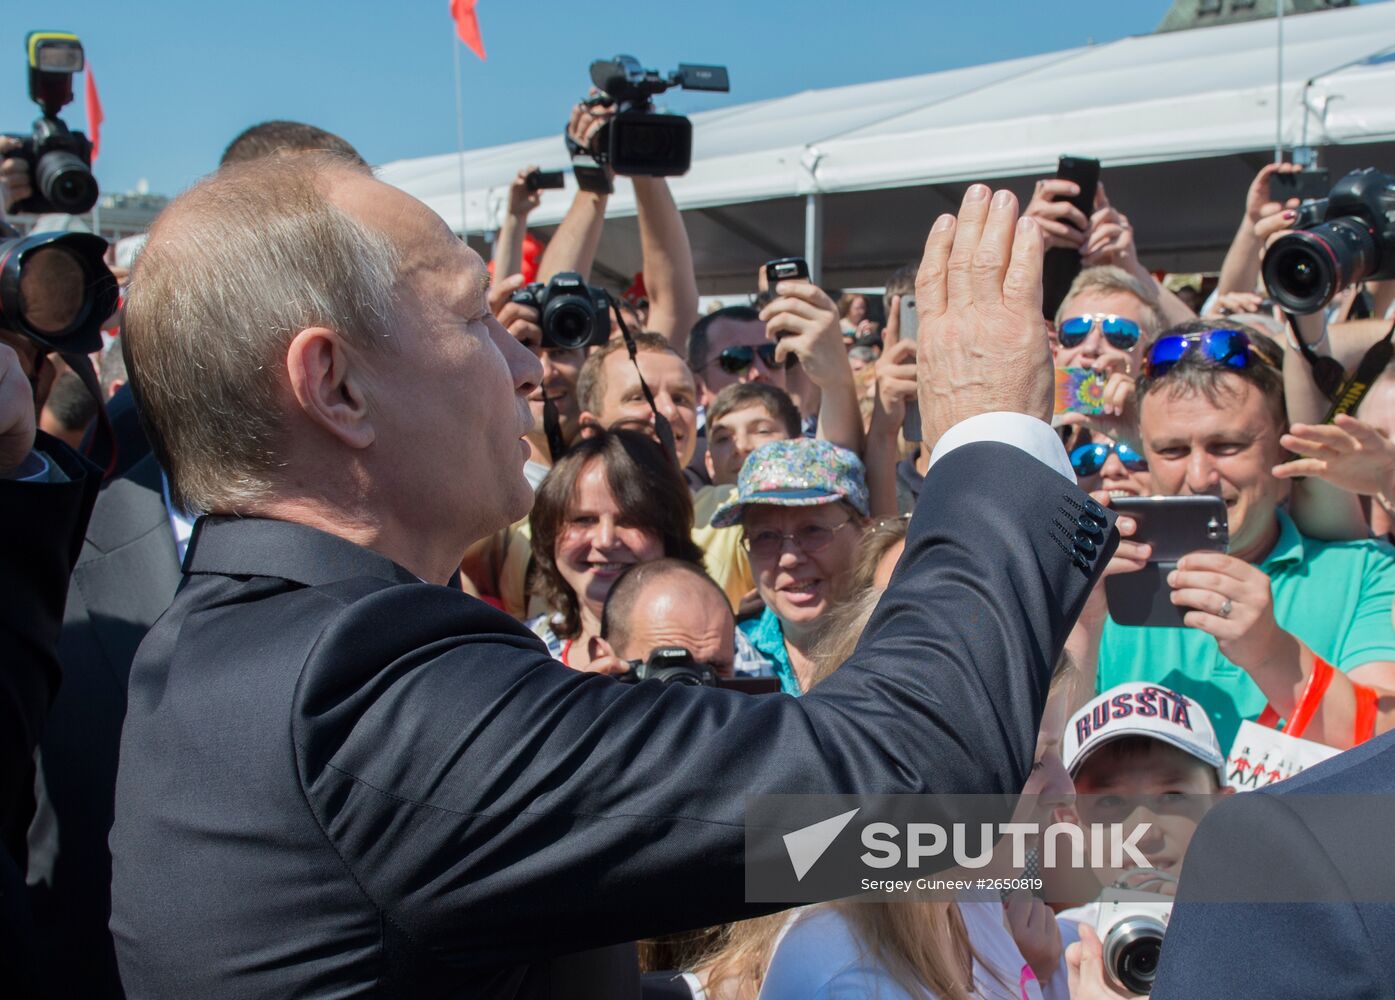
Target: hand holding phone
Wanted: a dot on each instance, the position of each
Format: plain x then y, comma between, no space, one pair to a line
1173,527
909,329
540,180
1304,185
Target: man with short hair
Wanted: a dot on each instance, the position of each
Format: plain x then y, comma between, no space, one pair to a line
279,136
608,389
669,602
741,418
1104,320
1265,615
339,776
730,346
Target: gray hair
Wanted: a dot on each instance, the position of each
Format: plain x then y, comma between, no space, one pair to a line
1107,278
234,268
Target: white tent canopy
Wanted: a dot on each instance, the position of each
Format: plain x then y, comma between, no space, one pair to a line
854,174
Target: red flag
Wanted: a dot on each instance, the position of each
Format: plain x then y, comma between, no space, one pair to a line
467,26
94,112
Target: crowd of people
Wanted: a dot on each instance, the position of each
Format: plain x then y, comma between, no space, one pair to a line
740,482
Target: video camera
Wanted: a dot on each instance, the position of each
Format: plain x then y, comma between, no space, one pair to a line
638,140
572,313
1337,241
59,159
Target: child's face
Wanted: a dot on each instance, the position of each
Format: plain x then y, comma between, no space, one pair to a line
1162,786
735,436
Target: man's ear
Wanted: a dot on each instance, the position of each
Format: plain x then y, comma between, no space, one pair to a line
707,461
328,385
600,648
587,424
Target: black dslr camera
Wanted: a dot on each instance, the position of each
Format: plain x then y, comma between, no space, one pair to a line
59,159
1337,241
573,314
670,665
638,140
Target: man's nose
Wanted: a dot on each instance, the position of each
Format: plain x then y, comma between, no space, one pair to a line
664,402
1202,476
524,367
1113,468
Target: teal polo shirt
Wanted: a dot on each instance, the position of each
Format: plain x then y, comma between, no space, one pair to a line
1333,596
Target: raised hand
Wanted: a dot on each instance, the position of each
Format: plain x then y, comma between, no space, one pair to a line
983,345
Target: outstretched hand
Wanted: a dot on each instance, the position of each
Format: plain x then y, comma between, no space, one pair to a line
983,344
1349,453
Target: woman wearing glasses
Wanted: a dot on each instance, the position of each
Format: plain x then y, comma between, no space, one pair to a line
802,507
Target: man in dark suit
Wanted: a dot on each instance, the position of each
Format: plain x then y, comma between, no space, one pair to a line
338,776
1289,891
124,580
46,494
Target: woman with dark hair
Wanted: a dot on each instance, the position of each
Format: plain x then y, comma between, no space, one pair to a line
614,500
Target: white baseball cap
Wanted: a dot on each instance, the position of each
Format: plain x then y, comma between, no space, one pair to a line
1142,709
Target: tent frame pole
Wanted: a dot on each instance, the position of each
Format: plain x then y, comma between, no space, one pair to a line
813,236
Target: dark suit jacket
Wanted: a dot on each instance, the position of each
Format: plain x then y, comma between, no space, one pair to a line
124,580
1324,835
42,533
337,780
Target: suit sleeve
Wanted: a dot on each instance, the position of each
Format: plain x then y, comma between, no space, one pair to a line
1263,911
493,801
43,530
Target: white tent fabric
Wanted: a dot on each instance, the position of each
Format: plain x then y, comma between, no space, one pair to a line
1146,100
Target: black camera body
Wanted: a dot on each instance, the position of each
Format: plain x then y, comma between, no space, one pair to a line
1337,241
639,141
572,314
670,665
60,161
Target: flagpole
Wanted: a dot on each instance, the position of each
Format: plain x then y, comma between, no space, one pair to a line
459,134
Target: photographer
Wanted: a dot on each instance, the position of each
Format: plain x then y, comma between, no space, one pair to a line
669,278
668,603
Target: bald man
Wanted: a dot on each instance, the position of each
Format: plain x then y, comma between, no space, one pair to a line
667,603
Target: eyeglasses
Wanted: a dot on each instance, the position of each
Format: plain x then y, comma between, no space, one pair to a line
1222,347
735,360
809,538
1120,331
1088,459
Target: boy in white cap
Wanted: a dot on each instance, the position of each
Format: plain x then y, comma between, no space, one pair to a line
1142,753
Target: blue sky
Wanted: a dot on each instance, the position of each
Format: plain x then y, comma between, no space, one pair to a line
179,78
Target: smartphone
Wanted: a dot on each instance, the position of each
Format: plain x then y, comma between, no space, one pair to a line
1080,390
1304,185
540,180
1062,264
910,328
1173,526
786,269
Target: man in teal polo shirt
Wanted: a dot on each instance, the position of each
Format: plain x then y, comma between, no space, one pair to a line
1211,413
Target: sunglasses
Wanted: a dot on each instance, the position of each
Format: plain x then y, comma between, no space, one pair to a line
1222,347
735,360
1088,459
1120,331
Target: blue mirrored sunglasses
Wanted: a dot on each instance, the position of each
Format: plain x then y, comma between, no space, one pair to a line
1089,459
1221,347
1120,331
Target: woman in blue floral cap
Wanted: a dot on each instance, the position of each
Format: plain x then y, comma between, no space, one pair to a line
802,507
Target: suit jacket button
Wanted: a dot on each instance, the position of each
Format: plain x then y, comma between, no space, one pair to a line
1093,508
1085,544
1081,561
1090,527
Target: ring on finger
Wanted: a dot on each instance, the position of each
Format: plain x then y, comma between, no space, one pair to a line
1226,608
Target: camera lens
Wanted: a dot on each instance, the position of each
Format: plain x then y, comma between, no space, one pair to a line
567,323
1132,951
65,182
1304,270
51,286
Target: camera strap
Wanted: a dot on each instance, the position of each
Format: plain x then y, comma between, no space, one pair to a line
552,427
661,424
1343,391
81,365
